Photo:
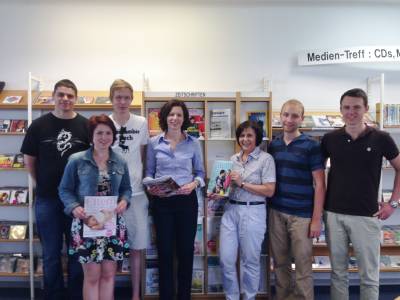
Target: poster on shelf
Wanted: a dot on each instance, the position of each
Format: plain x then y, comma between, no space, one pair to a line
261,118
220,123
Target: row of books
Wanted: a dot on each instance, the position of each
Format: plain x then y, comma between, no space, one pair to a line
7,125
13,195
12,161
48,100
386,261
321,121
214,276
391,115
12,230
18,263
220,122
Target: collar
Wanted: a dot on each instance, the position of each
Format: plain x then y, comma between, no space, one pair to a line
89,156
301,137
366,131
162,138
255,154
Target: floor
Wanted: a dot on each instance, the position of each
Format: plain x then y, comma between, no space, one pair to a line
321,293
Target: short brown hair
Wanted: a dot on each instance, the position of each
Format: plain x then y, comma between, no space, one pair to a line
294,102
94,121
166,109
356,93
253,125
120,84
66,83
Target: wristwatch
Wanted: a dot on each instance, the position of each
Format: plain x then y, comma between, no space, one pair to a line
394,203
242,185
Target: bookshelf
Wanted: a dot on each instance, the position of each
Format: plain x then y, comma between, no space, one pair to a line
220,146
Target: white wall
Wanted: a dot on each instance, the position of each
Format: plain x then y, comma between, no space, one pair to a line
209,47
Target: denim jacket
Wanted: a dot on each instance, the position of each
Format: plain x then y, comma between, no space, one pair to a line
81,177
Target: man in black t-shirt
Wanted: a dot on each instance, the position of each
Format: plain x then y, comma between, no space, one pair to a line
48,143
351,205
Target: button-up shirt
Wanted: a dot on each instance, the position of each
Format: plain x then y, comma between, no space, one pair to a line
259,168
184,164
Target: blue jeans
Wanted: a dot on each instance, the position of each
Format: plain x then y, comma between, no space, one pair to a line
52,224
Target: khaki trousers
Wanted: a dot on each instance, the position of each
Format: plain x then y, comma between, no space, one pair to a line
289,239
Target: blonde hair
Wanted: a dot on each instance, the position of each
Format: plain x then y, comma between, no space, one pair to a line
294,102
120,84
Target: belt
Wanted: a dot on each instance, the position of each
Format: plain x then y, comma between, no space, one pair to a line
246,203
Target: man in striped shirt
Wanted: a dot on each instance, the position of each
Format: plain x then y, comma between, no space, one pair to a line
296,207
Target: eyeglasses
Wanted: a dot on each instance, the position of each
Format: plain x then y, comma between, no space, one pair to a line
63,95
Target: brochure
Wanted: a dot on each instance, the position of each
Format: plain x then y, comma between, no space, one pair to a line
163,186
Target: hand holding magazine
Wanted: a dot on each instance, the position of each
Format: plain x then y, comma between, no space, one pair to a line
163,186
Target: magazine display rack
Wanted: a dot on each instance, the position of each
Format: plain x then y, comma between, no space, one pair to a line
16,260
215,117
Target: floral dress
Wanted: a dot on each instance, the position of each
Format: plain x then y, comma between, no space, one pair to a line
89,250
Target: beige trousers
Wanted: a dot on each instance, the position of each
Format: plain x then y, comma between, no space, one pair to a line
289,240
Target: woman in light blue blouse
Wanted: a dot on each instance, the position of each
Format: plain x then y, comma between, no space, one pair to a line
177,154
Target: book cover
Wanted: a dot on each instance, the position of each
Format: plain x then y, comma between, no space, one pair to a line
39,266
85,100
153,120
197,281
17,232
152,277
385,261
12,99
101,218
7,263
308,122
335,121
151,249
22,265
18,161
45,100
6,160
395,261
220,178
18,196
103,100
198,240
4,230
321,121
5,125
220,123
125,265
213,228
216,206
214,284
276,120
163,186
321,262
261,118
4,196
18,125
196,117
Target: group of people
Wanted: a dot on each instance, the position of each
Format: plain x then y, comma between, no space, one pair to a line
70,157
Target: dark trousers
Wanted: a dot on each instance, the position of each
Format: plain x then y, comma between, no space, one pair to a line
175,220
52,225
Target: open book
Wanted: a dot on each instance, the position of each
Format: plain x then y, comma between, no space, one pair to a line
163,186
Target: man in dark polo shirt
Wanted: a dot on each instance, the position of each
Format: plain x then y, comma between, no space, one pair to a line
351,205
296,208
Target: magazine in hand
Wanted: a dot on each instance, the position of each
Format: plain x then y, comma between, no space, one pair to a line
164,186
220,178
101,219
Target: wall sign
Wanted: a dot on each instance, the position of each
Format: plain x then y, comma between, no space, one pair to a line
350,55
190,94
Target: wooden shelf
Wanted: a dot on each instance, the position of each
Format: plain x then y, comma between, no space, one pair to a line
15,205
14,274
21,105
13,169
12,133
322,250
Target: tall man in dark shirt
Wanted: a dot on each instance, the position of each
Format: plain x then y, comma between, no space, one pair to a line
351,205
48,143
